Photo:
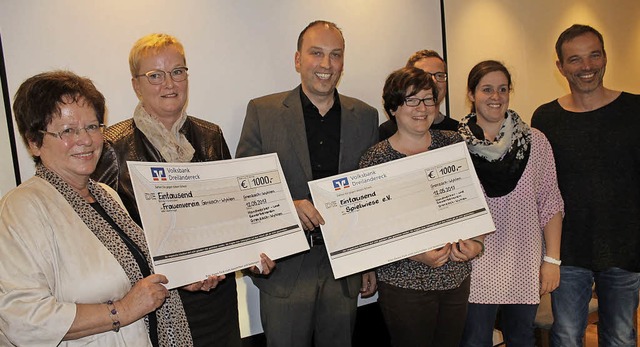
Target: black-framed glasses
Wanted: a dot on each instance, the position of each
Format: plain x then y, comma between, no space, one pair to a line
414,102
71,133
178,74
440,76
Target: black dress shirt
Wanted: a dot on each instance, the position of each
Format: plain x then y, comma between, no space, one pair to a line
323,136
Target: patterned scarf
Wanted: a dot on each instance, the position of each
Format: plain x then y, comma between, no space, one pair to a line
499,163
172,145
173,329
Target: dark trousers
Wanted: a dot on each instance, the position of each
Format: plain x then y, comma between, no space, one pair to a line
213,316
424,318
319,312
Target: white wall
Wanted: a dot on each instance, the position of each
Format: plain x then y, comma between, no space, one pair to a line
522,34
236,50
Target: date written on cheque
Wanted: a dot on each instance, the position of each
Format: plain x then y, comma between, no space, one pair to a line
255,203
443,190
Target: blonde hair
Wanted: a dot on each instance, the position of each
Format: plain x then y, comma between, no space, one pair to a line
149,45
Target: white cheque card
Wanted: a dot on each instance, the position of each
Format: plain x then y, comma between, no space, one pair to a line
384,213
216,217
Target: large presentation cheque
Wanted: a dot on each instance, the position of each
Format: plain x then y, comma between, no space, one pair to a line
213,218
395,210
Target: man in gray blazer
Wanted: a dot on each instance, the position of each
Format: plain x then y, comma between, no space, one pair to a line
317,133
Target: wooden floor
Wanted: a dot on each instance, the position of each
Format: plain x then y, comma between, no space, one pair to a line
591,335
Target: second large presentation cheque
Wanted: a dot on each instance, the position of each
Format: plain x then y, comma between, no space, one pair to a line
384,213
213,218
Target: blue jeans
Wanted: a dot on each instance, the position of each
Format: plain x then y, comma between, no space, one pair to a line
617,292
517,325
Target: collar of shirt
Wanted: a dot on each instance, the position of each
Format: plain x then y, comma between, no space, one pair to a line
323,137
310,109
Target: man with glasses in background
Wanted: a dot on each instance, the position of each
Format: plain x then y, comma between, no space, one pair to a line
431,62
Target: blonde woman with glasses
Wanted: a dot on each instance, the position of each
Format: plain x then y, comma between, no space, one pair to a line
161,131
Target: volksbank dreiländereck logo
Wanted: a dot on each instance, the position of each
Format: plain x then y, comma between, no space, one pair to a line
341,183
158,174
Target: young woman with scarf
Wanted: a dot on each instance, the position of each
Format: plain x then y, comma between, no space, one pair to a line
517,171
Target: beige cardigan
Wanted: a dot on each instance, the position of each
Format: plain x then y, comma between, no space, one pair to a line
50,262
